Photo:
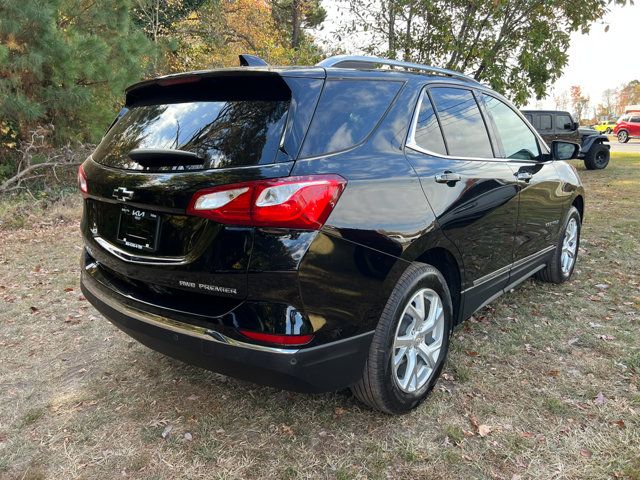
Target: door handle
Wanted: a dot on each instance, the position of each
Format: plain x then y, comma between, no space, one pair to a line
524,176
447,177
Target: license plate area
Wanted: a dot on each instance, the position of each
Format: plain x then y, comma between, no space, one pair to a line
138,229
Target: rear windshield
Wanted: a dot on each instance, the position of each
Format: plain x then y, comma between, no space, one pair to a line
223,134
347,112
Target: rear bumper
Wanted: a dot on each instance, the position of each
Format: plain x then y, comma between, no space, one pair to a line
322,368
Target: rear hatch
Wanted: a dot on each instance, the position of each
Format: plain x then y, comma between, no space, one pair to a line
175,136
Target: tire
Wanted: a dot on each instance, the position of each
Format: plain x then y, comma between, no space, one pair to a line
597,158
554,271
608,131
623,136
381,385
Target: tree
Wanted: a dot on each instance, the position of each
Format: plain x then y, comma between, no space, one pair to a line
629,94
609,100
579,102
294,15
561,100
214,35
66,63
517,46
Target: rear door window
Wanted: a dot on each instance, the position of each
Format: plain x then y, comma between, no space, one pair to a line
563,123
546,123
518,141
427,134
462,124
347,112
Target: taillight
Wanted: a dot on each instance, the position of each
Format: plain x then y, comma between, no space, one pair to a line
82,181
292,202
277,339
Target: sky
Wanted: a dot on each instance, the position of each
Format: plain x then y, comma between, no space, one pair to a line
597,60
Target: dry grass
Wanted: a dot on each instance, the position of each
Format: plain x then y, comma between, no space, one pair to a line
79,399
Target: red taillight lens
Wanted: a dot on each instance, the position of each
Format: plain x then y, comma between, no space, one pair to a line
293,202
276,339
82,181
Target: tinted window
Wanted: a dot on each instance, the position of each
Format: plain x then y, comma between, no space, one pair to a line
529,118
428,134
546,122
518,141
223,133
635,119
347,112
462,124
562,121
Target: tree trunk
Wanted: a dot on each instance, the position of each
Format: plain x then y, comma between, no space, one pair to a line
392,29
296,20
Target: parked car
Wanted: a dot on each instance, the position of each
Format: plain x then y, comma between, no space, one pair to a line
605,127
628,127
316,228
559,125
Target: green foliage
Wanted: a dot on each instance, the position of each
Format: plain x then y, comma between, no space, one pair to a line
519,48
66,62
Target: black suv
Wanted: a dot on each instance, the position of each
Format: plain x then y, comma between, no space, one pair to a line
316,228
559,125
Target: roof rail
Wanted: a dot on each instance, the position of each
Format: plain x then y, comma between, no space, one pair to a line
362,62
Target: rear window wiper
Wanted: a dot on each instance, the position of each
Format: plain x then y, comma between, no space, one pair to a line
164,157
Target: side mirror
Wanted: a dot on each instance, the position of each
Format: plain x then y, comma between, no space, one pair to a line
575,126
564,150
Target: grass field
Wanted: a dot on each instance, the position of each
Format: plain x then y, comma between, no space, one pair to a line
543,383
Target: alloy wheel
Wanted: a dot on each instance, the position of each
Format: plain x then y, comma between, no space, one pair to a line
569,247
418,340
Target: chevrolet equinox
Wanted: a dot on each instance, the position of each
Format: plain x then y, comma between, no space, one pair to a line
316,228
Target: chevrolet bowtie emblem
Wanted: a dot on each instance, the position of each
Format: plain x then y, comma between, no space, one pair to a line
121,193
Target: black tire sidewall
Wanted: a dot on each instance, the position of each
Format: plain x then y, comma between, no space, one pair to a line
403,401
591,162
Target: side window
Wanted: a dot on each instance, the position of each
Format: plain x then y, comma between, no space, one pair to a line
546,123
427,133
518,141
563,122
635,119
347,112
529,118
462,123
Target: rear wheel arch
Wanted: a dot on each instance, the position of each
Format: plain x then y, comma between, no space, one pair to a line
445,262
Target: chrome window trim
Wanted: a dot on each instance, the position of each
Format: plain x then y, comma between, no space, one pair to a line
411,141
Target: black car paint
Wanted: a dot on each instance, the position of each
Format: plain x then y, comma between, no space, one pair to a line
491,229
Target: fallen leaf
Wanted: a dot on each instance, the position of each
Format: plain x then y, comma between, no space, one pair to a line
527,434
600,399
606,338
167,431
68,289
602,286
340,411
527,347
573,340
192,397
484,430
471,353
33,309
448,377
474,422
620,423
37,269
586,453
553,373
188,437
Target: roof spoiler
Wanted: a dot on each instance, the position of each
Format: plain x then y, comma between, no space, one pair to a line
247,60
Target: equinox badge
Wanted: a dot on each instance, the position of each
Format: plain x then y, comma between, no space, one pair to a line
121,193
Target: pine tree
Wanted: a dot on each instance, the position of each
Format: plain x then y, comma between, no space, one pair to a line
66,63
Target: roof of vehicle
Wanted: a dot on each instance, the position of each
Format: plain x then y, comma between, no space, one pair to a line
546,111
338,66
